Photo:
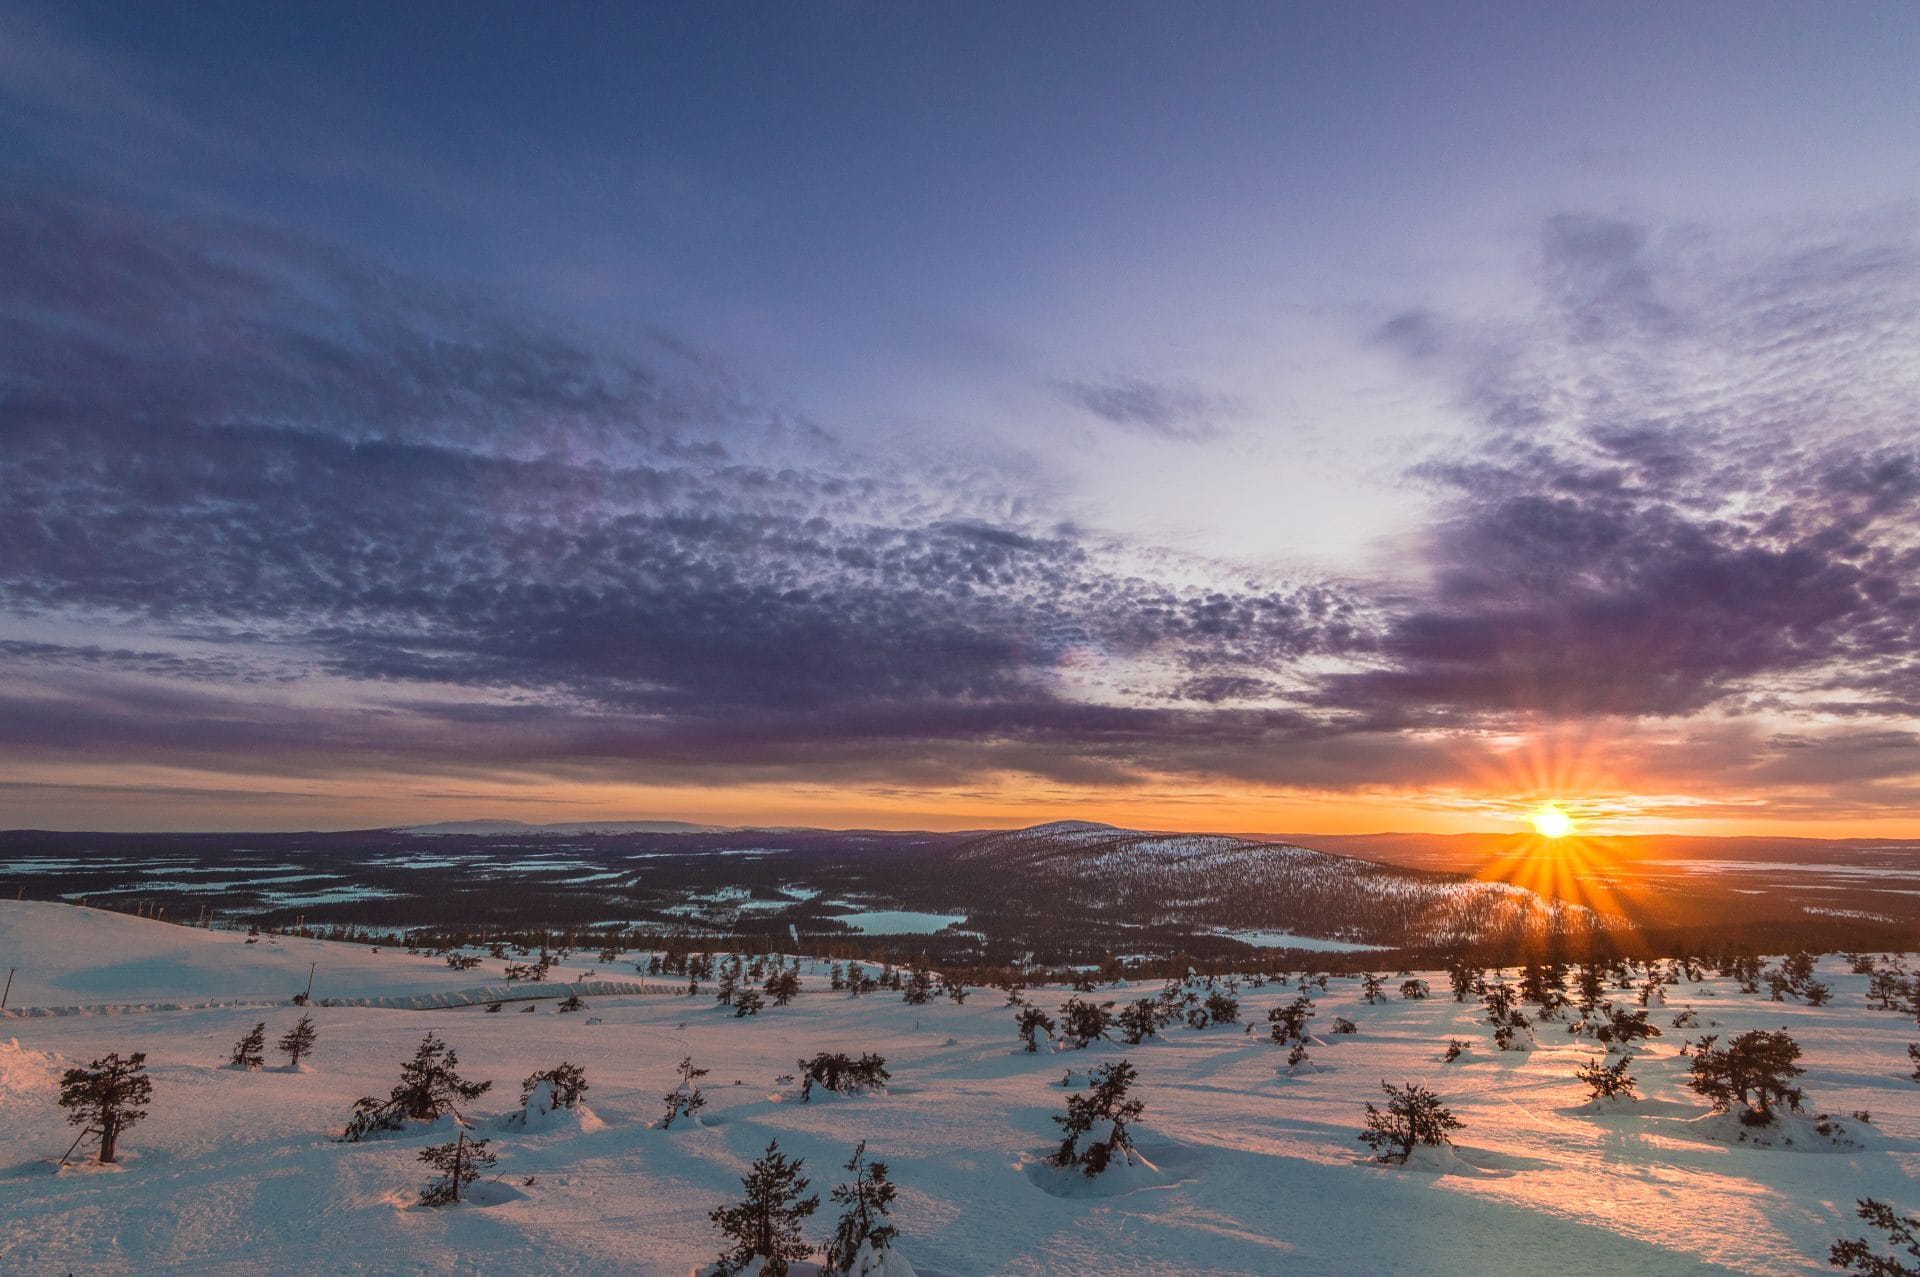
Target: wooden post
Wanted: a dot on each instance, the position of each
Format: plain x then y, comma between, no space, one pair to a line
310,967
9,988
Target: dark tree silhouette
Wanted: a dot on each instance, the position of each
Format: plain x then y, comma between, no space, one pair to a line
866,1200
250,1052
430,1085
1755,1070
1413,1116
766,1223
459,1164
685,1099
298,1041
106,1096
1903,1233
1100,1118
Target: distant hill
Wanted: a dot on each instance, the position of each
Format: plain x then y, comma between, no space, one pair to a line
507,827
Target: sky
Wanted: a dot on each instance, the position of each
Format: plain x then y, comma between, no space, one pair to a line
1215,416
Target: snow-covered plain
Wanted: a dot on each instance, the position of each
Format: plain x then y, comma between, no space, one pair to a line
1257,1173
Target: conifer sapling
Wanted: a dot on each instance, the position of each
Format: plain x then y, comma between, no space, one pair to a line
106,1096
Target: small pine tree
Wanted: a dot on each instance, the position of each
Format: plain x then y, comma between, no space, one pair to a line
565,1082
863,1223
783,986
766,1223
250,1052
571,1002
685,1099
1903,1233
1413,990
843,1074
1082,1022
298,1041
1372,988
459,1164
918,989
1138,1021
430,1085
1289,1023
1607,1081
106,1096
1913,1054
1100,1117
1623,1028
1033,1022
1414,1115
747,1002
1755,1070
1456,1047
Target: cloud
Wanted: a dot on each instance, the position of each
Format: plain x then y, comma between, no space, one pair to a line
1178,410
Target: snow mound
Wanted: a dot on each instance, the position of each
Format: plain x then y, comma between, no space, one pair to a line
1119,1178
23,1071
1820,1134
868,1262
543,1116
1439,1159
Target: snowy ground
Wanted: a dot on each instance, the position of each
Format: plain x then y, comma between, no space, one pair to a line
234,1172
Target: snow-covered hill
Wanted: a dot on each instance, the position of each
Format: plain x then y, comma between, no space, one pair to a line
1259,1173
1212,880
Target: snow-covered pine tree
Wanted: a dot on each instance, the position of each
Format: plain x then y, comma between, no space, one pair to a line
842,1073
1138,1021
1413,1116
1095,1125
571,1002
106,1096
1414,990
298,1041
565,1083
766,1223
1083,1022
250,1052
459,1164
748,1002
430,1085
1623,1028
1033,1022
1755,1070
863,1233
685,1099
1289,1023
1372,988
1607,1081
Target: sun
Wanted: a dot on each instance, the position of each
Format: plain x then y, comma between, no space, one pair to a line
1550,822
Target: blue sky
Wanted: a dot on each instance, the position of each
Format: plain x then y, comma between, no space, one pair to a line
1023,344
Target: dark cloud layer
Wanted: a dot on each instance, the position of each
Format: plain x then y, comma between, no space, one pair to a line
271,464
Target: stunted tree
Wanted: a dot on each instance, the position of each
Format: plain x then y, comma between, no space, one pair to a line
106,1097
1607,1081
842,1074
1858,1256
1755,1070
1082,1022
1913,1054
1289,1023
1372,988
250,1052
865,1201
430,1085
298,1041
1623,1028
564,1084
748,1002
1033,1022
685,1099
1413,1116
1094,1128
783,986
919,988
1139,1021
459,1164
766,1224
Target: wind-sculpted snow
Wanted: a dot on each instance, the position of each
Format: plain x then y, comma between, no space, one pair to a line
1211,880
